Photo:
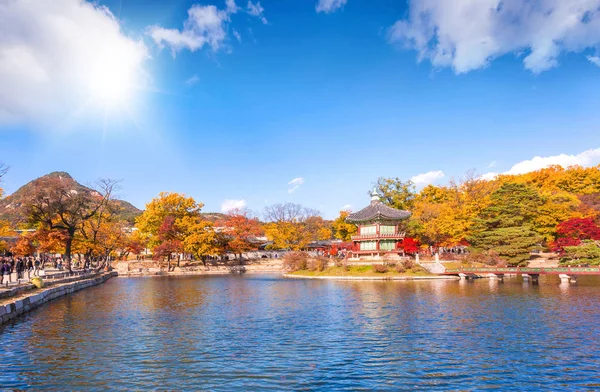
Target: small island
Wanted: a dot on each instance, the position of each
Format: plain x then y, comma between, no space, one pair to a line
377,251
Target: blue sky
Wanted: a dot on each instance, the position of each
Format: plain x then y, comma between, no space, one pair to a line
235,103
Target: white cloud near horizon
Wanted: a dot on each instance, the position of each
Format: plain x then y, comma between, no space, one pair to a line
54,54
231,204
296,182
206,25
347,207
427,178
469,34
329,6
587,158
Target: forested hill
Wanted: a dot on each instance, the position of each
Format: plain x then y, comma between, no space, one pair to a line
13,211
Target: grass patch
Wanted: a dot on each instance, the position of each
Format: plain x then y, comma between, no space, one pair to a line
361,270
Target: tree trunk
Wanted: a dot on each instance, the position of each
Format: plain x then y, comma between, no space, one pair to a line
68,244
169,263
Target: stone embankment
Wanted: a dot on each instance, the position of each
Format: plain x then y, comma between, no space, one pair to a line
131,269
24,301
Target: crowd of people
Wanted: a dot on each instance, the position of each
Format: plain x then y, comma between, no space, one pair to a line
10,265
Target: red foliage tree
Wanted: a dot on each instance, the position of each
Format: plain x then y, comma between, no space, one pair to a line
169,240
571,232
410,245
239,231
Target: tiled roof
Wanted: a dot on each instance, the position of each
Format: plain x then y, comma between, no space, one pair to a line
377,210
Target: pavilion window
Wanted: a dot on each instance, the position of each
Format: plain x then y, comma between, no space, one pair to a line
387,229
368,230
387,245
368,245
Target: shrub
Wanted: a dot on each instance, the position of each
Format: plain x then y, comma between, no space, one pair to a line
380,268
295,261
400,269
318,264
408,264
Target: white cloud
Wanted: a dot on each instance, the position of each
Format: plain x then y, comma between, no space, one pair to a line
492,164
229,205
62,56
205,25
469,34
296,182
347,207
237,36
488,176
594,60
232,8
193,80
328,6
257,10
427,178
586,158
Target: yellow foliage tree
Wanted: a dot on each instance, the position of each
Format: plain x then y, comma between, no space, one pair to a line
557,207
342,229
288,235
167,204
201,238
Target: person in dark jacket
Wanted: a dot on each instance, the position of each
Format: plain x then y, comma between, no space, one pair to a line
6,270
20,268
2,261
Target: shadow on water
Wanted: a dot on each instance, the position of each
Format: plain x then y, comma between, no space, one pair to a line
261,332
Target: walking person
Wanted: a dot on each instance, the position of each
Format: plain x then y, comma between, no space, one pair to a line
7,270
36,269
29,267
20,268
2,261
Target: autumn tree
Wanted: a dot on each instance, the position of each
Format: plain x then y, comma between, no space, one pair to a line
590,205
342,229
200,239
505,226
288,226
318,228
102,233
573,231
239,229
169,240
166,222
24,246
53,205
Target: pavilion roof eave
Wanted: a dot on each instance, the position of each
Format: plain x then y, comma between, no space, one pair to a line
377,211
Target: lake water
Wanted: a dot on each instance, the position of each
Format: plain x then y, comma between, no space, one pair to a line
263,332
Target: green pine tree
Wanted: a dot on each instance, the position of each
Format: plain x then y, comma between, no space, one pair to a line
505,226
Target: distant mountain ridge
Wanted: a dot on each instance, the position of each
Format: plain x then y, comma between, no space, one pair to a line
13,211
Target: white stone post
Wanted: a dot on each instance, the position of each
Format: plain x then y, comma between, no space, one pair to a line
564,278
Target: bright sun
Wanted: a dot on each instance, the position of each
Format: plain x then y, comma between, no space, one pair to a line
114,78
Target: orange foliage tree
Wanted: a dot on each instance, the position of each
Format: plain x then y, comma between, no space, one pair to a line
239,229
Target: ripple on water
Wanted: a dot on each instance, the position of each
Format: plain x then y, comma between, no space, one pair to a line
266,333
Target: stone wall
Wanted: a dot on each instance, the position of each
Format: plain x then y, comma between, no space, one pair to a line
14,307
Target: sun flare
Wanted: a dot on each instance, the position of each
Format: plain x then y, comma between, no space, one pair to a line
115,77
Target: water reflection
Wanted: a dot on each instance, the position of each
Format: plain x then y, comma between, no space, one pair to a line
264,332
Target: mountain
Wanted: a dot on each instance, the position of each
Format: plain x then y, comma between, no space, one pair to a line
12,209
